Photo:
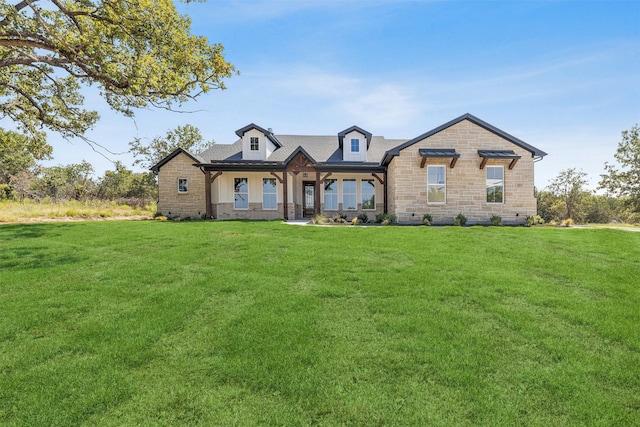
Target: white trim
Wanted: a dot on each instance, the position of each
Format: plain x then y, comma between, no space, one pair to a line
257,140
234,194
375,201
357,142
186,185
355,182
486,184
275,193
337,195
444,168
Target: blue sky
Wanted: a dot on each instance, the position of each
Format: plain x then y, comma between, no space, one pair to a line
562,76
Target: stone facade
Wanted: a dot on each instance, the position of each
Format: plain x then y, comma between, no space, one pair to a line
174,204
350,214
465,183
255,211
406,180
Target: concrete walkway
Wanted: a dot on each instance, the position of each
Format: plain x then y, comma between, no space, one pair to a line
298,221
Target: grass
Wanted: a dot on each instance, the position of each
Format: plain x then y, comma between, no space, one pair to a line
12,211
261,323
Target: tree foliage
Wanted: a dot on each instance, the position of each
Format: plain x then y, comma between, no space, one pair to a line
187,137
570,188
124,183
623,179
19,153
75,182
137,52
70,182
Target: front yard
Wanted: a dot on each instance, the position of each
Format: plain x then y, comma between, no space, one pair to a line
249,323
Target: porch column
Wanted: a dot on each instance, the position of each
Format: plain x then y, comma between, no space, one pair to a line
207,194
317,193
285,195
386,181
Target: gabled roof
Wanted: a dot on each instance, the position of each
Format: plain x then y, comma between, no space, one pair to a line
268,133
298,151
157,166
535,152
321,148
342,134
323,151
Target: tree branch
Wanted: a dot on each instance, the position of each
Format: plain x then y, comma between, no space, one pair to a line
33,102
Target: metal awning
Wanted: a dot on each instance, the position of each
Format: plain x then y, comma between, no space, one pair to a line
498,154
439,153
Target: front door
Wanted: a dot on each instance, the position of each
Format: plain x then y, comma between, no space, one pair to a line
309,199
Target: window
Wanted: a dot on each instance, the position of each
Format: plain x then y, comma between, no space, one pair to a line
368,194
436,184
495,184
269,195
254,143
331,194
355,145
349,195
182,185
240,193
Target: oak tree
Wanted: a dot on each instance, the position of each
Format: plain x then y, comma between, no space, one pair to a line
138,53
623,179
187,137
570,189
19,153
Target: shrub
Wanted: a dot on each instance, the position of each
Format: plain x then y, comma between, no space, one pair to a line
539,219
363,218
7,192
427,219
161,218
567,222
320,219
339,218
530,220
389,218
354,221
634,218
496,220
460,220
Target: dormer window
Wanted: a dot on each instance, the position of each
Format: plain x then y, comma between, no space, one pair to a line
354,143
254,144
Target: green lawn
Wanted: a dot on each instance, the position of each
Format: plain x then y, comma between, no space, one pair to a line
262,323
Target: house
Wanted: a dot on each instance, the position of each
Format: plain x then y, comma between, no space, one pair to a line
464,166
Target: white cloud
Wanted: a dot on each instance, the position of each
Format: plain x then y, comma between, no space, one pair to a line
383,105
367,102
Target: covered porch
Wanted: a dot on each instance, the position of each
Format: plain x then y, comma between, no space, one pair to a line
300,187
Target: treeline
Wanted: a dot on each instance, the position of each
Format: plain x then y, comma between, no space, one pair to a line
586,207
76,182
22,177
567,197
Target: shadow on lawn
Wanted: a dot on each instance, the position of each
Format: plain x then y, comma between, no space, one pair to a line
25,231
40,256
33,258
